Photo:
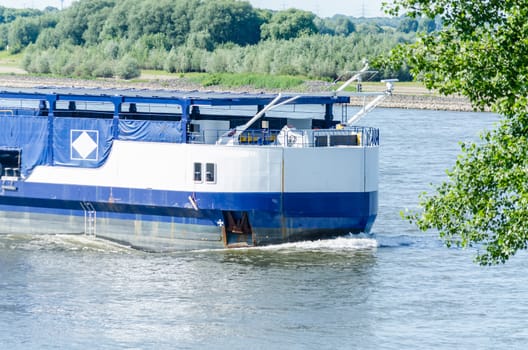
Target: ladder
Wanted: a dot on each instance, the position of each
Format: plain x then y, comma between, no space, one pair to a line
90,219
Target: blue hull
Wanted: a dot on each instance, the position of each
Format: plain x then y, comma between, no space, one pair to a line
165,221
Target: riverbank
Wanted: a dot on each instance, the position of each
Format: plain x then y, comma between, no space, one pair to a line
409,101
405,95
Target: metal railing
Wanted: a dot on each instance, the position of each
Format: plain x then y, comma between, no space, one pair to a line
289,137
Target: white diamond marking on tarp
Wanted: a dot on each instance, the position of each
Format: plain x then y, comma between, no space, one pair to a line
84,144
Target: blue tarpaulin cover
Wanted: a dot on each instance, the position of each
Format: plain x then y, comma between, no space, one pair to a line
143,130
28,134
79,142
82,142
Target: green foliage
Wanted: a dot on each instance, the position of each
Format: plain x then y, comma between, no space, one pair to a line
103,69
314,56
370,28
289,24
127,68
8,15
343,26
4,30
211,80
408,25
382,22
258,81
48,39
337,25
91,37
22,32
427,25
184,59
481,52
83,21
226,21
485,201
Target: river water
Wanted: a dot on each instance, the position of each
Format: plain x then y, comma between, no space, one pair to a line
394,289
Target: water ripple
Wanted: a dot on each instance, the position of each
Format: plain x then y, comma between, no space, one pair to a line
60,243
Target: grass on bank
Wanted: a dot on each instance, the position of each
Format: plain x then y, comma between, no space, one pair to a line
9,60
255,80
227,80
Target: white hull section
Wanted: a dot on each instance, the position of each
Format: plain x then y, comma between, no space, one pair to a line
239,169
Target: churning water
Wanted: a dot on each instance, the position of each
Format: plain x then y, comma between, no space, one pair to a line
396,288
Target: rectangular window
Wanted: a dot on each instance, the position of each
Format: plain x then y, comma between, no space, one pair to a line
197,172
210,172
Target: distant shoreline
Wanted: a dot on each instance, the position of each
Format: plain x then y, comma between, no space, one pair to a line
406,99
409,101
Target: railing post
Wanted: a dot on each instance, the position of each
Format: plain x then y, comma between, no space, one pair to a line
185,106
329,115
52,101
117,101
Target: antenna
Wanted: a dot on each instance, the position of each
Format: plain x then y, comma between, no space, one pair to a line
356,76
389,84
363,9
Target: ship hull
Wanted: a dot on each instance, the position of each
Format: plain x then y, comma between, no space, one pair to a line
175,172
272,218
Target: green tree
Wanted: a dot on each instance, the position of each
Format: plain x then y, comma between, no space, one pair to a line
136,18
369,28
8,15
289,24
21,33
117,23
181,18
84,16
480,52
127,68
427,25
224,21
344,26
95,23
337,25
408,25
48,38
49,9
4,30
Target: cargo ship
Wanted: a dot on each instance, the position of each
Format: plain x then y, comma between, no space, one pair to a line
164,171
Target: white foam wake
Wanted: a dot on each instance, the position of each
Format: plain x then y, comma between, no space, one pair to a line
63,242
336,244
84,242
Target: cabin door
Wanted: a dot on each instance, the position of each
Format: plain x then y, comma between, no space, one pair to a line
237,231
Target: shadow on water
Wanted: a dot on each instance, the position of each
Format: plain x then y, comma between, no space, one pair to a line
422,241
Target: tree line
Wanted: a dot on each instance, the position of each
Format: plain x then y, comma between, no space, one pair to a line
105,38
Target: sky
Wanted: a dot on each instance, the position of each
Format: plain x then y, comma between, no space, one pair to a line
326,8
322,8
